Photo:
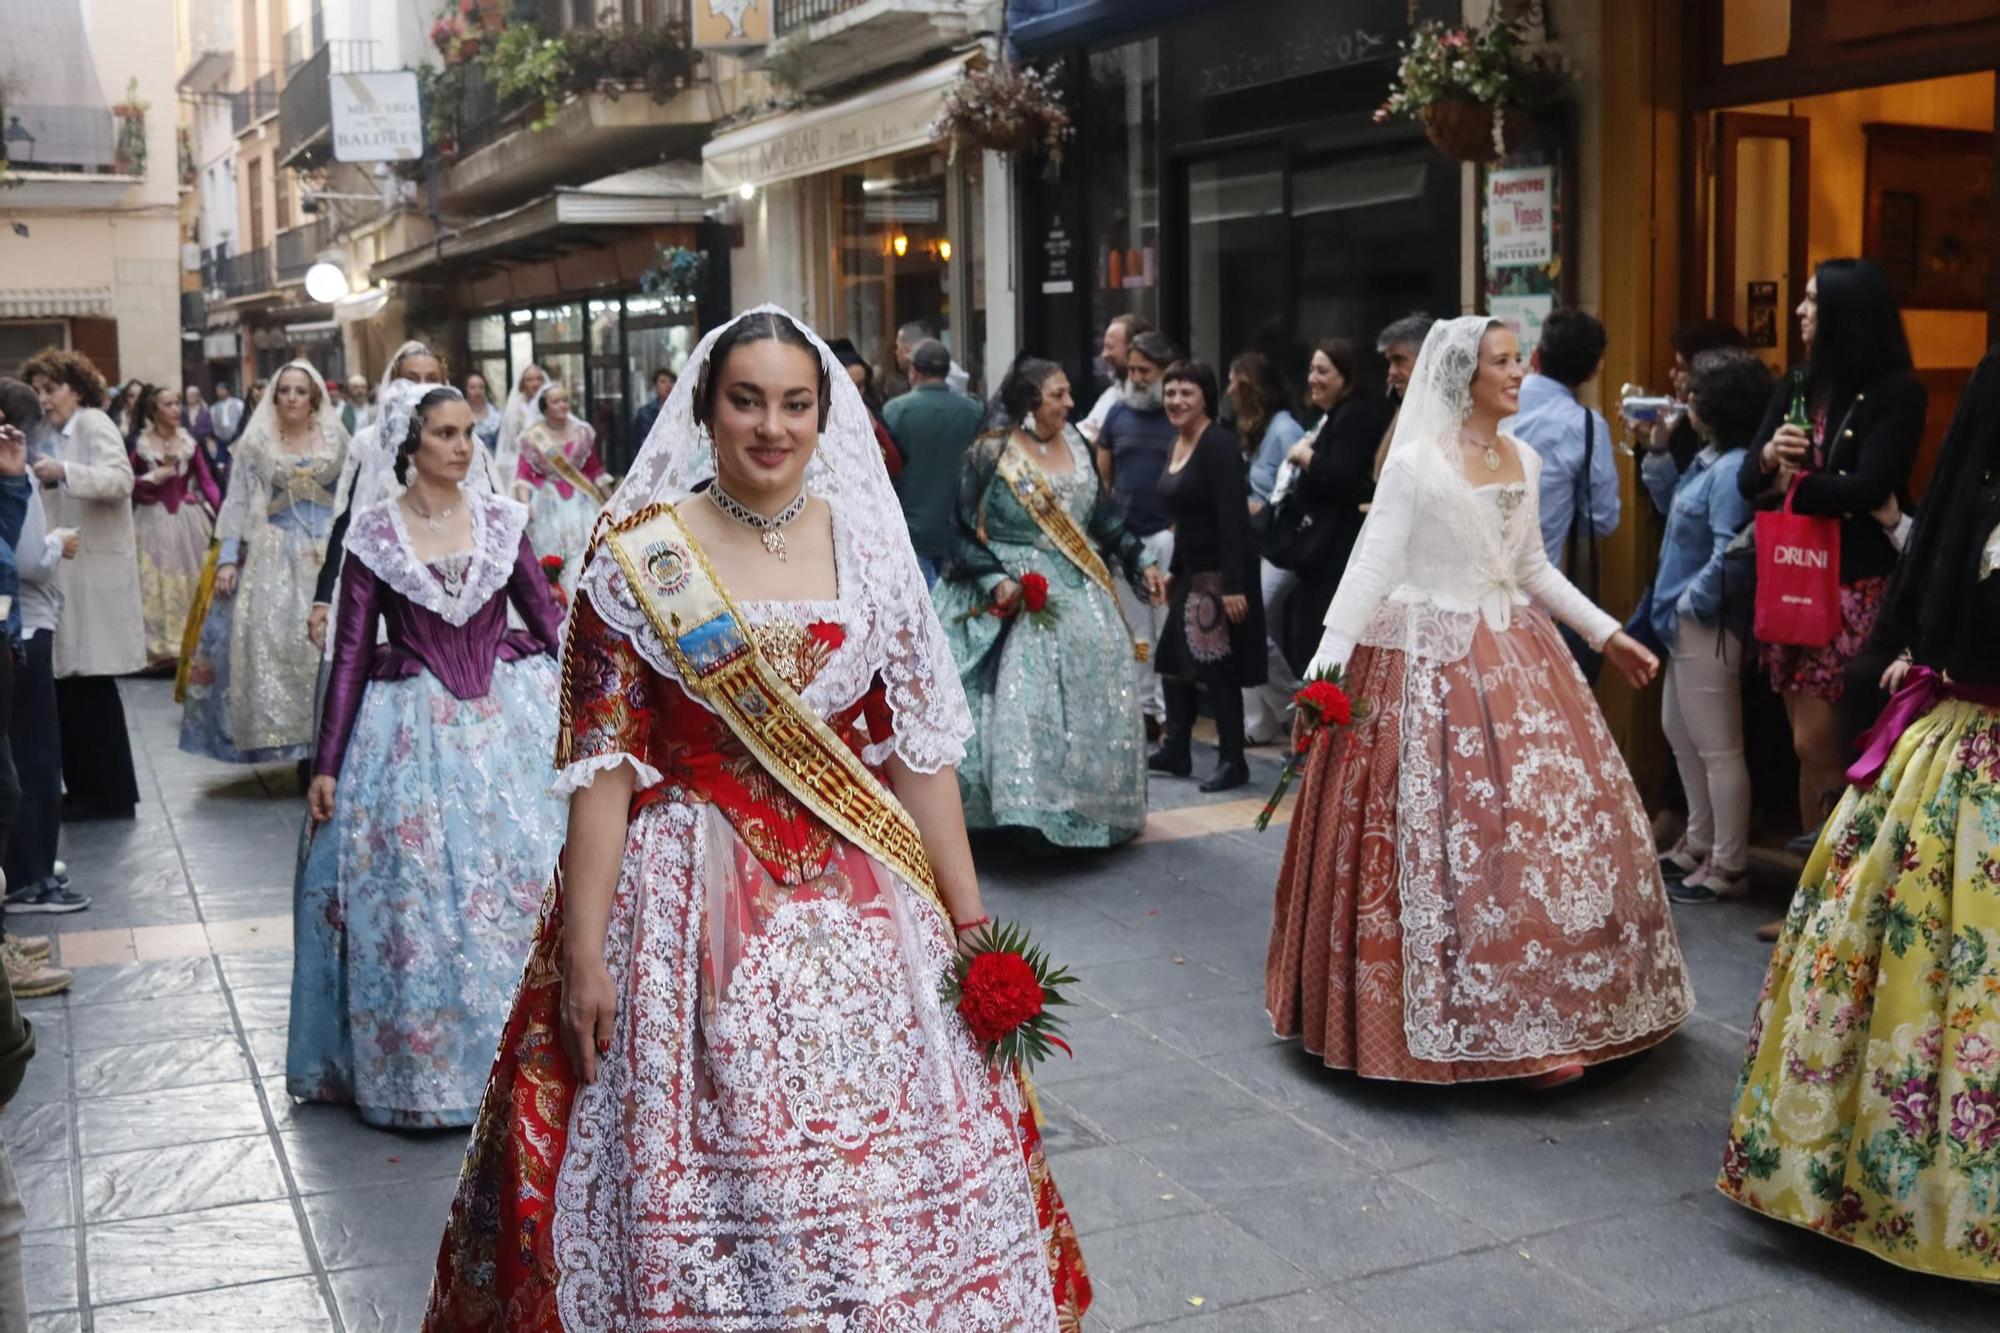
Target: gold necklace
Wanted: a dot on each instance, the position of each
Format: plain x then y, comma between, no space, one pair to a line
1491,448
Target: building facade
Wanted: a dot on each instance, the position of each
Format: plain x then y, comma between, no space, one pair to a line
846,209
90,249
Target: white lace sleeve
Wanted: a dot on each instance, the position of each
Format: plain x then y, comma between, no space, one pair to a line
911,655
1546,584
584,772
1373,569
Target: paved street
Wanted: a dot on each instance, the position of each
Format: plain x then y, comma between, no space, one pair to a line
1215,1173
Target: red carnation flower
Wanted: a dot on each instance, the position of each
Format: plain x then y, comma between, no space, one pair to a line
1327,702
1034,592
999,993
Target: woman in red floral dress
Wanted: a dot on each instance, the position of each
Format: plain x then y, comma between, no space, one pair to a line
730,1096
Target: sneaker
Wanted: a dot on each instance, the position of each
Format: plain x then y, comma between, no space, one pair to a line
37,947
23,895
1679,863
1709,885
31,979
51,897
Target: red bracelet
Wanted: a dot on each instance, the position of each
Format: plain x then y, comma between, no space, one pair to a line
960,927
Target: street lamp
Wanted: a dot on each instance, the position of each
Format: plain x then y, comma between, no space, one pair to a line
326,283
17,133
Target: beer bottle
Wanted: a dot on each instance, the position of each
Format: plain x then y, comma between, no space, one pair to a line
1796,414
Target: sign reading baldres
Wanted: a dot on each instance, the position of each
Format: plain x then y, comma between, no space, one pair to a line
377,117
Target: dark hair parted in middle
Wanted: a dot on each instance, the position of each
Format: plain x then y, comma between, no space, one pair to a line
1730,387
1021,391
413,438
761,326
1201,376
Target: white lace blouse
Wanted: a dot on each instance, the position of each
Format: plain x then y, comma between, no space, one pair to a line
1425,573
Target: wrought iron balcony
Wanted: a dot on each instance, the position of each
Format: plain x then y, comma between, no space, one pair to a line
254,103
243,275
299,247
792,14
305,116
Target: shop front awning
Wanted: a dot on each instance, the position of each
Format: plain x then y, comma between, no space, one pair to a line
563,220
894,118
41,302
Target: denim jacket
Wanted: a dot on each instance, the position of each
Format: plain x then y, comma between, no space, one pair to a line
1704,510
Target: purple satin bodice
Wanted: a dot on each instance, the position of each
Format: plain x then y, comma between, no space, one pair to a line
462,657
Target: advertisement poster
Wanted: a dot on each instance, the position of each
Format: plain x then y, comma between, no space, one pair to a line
1520,216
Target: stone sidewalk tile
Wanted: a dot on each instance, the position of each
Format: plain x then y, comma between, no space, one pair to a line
1214,1171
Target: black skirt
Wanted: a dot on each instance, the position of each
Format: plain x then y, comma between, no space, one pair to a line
96,749
1198,642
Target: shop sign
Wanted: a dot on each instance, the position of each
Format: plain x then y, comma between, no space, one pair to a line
221,347
1520,216
1288,40
726,25
377,117
894,119
1058,260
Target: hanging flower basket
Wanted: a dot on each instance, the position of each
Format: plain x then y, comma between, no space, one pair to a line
1475,89
1474,131
1005,108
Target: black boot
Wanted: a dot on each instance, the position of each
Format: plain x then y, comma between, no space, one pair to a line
1233,770
1172,757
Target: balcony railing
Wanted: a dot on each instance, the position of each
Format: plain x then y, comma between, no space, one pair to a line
194,311
295,48
254,103
299,247
792,14
305,116
245,274
643,53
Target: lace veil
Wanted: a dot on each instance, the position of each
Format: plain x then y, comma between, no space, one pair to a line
907,644
248,514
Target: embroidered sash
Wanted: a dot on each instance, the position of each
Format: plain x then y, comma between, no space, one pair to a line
556,462
1039,498
720,663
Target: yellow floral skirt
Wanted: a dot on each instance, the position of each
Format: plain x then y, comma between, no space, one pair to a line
204,592
1869,1107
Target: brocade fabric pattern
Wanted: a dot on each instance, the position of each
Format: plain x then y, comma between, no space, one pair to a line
1059,743
1869,1107
172,530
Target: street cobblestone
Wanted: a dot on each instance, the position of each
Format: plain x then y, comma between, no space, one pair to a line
1216,1174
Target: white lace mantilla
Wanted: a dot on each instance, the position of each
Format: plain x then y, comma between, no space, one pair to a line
892,631
796,1138
380,539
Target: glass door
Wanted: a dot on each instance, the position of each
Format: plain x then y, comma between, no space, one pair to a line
1239,278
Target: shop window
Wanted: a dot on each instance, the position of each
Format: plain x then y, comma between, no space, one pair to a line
658,332
1122,119
19,342
1374,237
1238,293
894,252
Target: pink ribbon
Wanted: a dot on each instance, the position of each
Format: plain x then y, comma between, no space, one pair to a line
1923,689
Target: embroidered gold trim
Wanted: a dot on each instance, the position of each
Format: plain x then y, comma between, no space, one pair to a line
720,662
1036,495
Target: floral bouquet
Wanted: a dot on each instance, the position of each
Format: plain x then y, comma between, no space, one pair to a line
1033,602
1004,986
1324,704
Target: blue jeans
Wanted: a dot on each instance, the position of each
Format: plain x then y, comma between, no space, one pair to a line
929,565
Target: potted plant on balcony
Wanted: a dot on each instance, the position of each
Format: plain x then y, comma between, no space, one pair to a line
1474,88
1007,108
129,152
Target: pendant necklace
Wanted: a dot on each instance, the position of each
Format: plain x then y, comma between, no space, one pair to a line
1492,453
436,521
770,528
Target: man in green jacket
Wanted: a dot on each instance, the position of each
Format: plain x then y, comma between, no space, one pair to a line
933,427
